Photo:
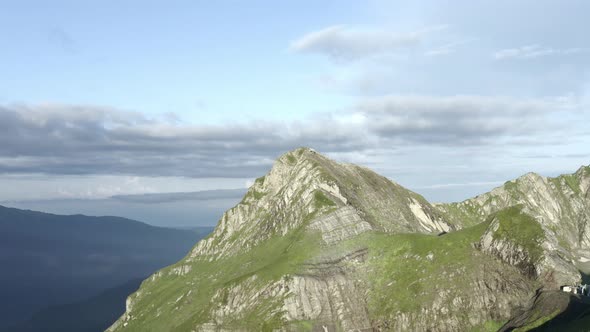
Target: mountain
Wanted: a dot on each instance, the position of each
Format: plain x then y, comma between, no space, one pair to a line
554,225
50,260
94,314
319,245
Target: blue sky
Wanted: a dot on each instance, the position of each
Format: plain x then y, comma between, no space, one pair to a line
449,98
206,61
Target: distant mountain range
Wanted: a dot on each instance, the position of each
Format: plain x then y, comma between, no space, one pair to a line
162,209
49,261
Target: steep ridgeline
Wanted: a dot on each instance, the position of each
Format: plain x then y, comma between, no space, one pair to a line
306,189
318,245
540,224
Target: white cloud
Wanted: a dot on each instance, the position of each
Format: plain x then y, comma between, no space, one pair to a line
466,119
466,184
343,42
90,152
535,51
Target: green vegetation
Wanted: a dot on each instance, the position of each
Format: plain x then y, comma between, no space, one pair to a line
489,326
301,325
257,195
510,185
291,158
404,273
522,229
408,271
169,300
536,320
300,151
463,214
572,182
252,194
320,200
260,180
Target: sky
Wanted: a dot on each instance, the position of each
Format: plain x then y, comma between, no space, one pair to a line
102,99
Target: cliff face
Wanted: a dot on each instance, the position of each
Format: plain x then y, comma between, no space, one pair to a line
554,212
339,200
319,245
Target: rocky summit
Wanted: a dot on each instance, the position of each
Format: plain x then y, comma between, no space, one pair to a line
317,245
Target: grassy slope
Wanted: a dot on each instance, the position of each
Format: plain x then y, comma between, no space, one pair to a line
269,261
400,275
403,272
406,280
522,229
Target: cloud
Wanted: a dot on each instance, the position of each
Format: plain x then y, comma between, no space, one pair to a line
466,184
463,120
81,140
204,195
65,139
535,51
343,42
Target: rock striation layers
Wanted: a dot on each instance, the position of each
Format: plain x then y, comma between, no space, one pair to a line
319,245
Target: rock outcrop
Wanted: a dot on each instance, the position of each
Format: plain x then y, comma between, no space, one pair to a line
559,206
304,186
318,245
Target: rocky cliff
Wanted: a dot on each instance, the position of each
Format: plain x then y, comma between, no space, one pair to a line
318,245
552,220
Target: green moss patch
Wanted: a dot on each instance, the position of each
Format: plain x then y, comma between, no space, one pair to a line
252,194
489,326
260,180
572,182
291,158
522,229
320,200
510,185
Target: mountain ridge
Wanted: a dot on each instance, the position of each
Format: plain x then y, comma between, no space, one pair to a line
50,259
317,244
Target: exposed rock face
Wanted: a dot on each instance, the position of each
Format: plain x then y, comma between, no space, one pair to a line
288,196
507,251
561,206
317,245
532,252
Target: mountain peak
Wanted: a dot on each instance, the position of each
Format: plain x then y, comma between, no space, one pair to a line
293,156
584,169
583,175
303,189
